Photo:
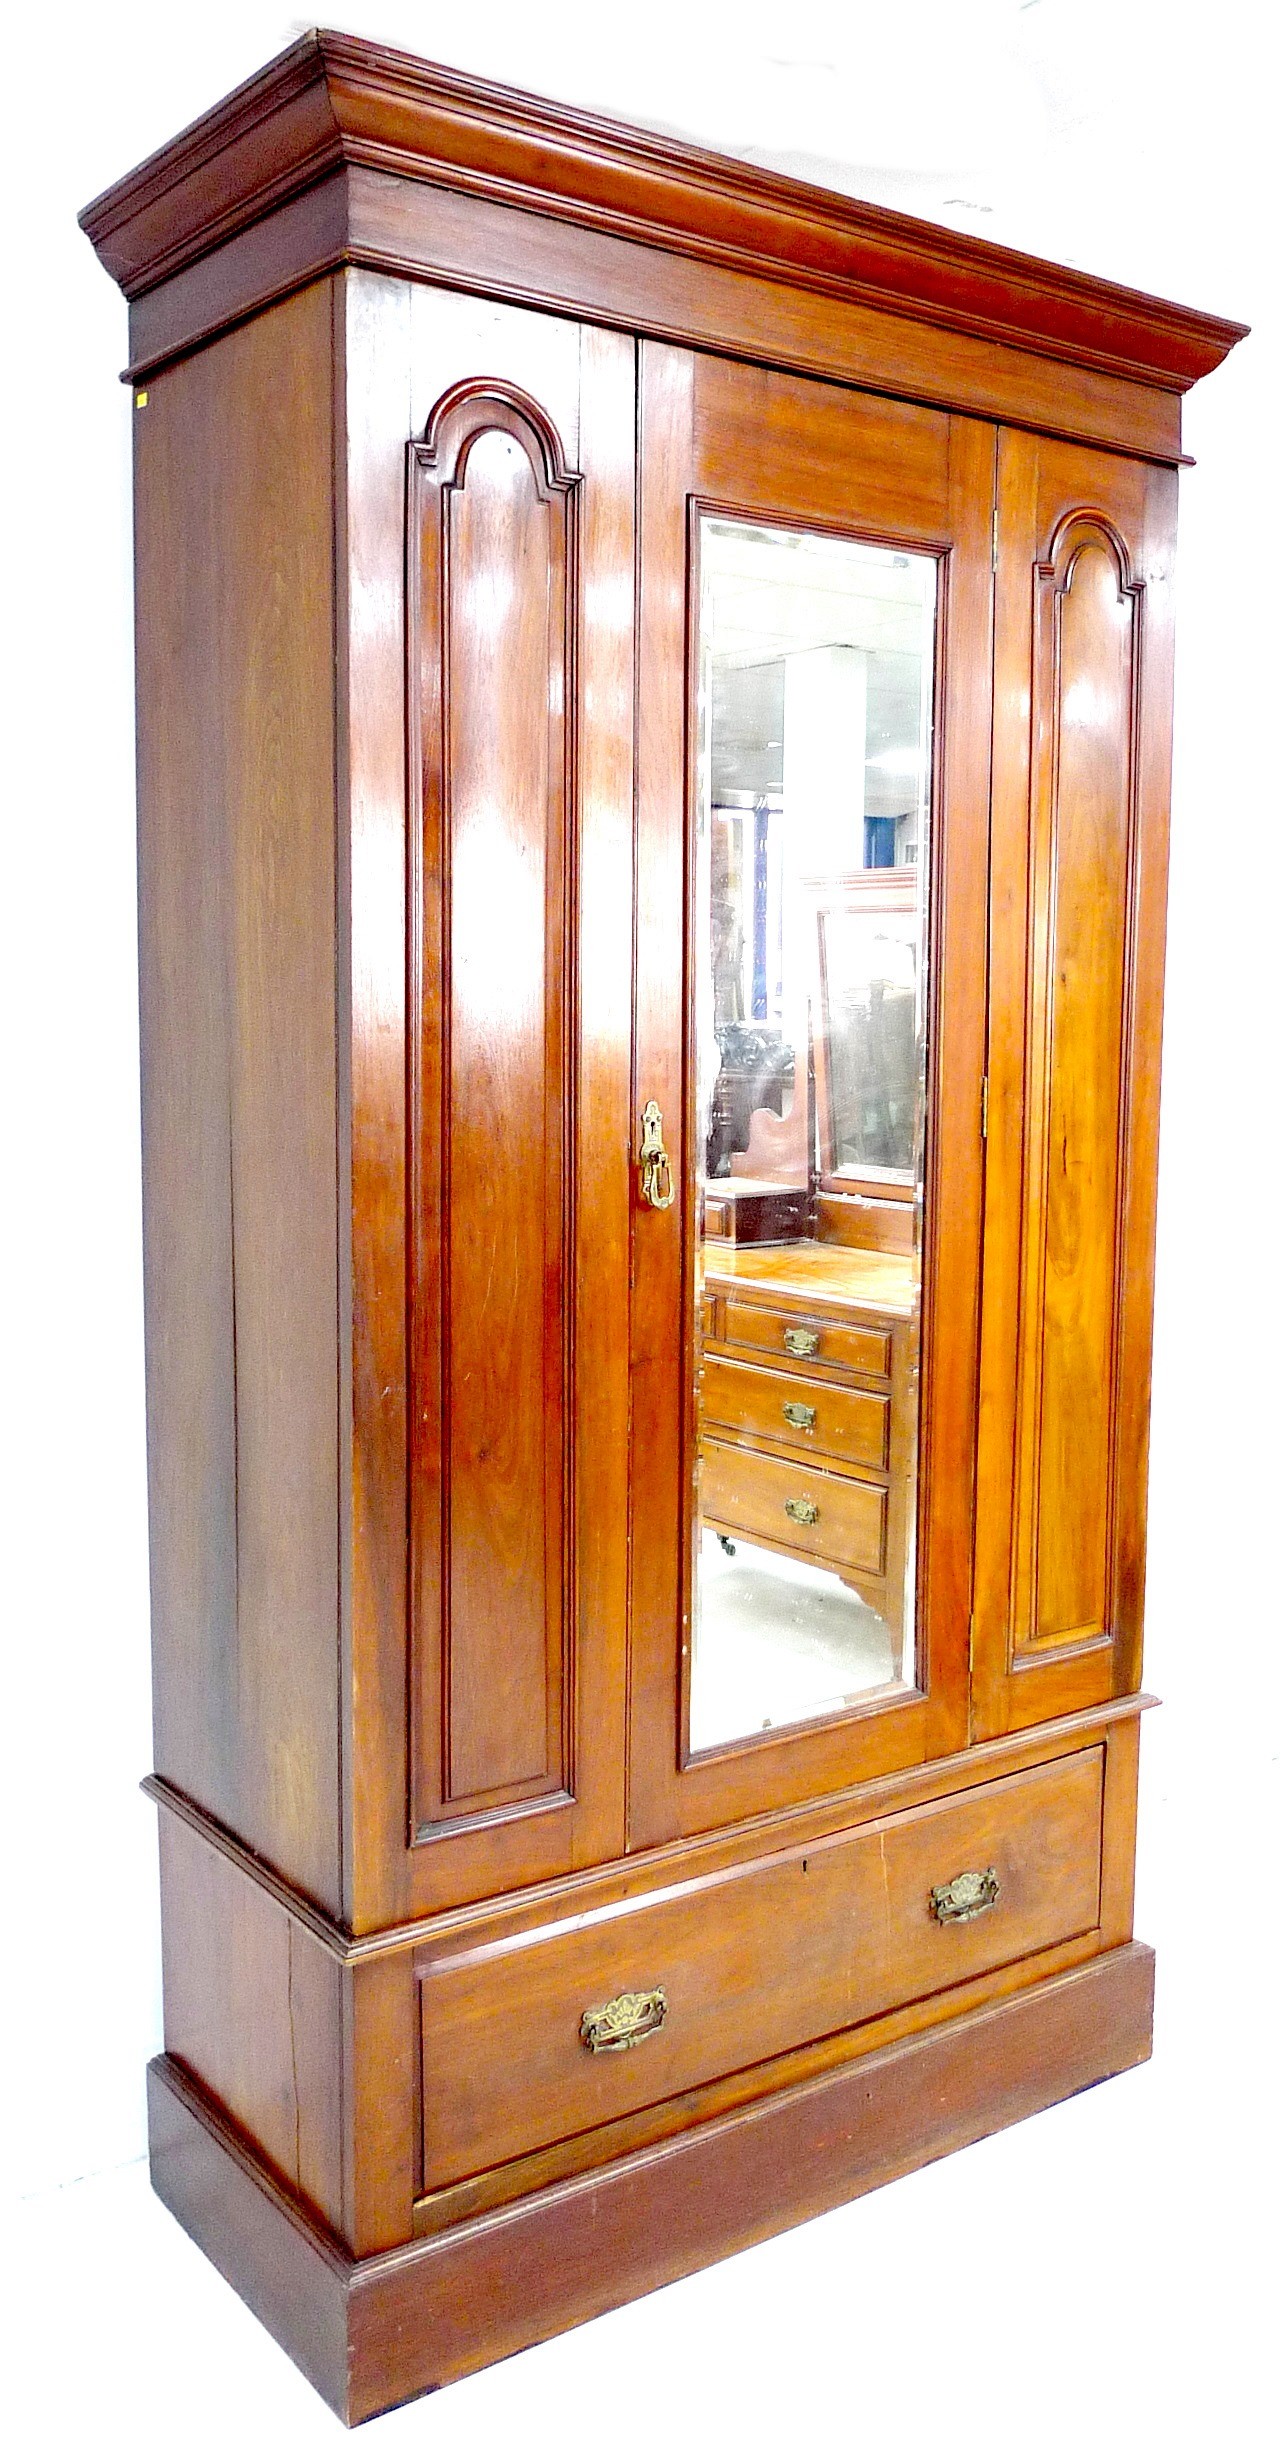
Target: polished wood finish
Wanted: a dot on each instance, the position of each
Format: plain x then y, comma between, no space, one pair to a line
375,157
799,1509
864,1224
851,1425
439,381
250,1980
1081,778
492,996
373,2332
863,1525
759,445
838,1285
293,2273
626,1876
752,1964
334,98
367,218
235,591
831,1344
405,353
254,2003
309,2050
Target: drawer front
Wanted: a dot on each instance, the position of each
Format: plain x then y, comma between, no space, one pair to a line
819,1515
800,1339
749,1963
850,1424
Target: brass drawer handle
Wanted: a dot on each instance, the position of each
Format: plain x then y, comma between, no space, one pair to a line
967,1895
801,1341
802,1417
657,1186
625,2021
802,1511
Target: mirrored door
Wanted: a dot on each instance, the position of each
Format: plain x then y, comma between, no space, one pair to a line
806,1221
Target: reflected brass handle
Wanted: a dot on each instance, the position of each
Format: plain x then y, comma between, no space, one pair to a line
801,1341
627,2020
802,1417
802,1511
657,1186
967,1895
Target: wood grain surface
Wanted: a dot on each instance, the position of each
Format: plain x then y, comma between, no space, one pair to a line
755,444
493,620
1080,783
783,1951
334,105
235,614
441,380
372,2333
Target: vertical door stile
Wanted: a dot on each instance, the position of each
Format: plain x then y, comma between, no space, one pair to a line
665,477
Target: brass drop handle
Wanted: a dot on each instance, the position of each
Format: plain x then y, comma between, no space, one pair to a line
657,1186
801,1341
625,2021
966,1896
802,1417
802,1511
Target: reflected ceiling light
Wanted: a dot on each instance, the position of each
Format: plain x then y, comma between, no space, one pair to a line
896,762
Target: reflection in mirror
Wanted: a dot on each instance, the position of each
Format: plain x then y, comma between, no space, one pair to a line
816,659
867,1047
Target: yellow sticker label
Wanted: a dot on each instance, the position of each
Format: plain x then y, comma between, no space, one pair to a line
140,400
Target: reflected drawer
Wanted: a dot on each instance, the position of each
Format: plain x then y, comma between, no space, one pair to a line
799,1339
824,1516
739,1965
850,1424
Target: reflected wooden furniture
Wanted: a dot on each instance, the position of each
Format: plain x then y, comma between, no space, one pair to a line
808,1403
487,2004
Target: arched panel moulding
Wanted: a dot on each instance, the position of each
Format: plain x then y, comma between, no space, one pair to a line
492,607
1087,679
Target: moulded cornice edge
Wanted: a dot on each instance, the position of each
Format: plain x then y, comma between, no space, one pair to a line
333,99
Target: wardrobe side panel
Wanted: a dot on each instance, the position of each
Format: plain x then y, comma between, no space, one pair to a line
235,619
254,2009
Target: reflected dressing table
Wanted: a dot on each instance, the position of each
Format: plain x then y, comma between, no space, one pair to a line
808,1407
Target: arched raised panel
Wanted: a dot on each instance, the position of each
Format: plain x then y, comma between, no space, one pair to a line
492,974
1080,785
1086,656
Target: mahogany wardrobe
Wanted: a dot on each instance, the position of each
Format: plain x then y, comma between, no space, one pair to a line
654,721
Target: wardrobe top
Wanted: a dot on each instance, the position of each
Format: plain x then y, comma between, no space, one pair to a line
332,102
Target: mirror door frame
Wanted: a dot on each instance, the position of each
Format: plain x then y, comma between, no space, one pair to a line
751,443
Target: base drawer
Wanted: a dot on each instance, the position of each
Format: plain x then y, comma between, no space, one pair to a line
799,1508
747,1963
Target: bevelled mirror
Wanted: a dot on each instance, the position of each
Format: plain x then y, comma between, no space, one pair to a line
815,662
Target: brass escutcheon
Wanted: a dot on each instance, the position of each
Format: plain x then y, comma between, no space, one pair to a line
801,1341
967,1895
802,1417
625,2021
802,1511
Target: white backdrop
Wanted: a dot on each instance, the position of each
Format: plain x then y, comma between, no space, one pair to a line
1127,136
